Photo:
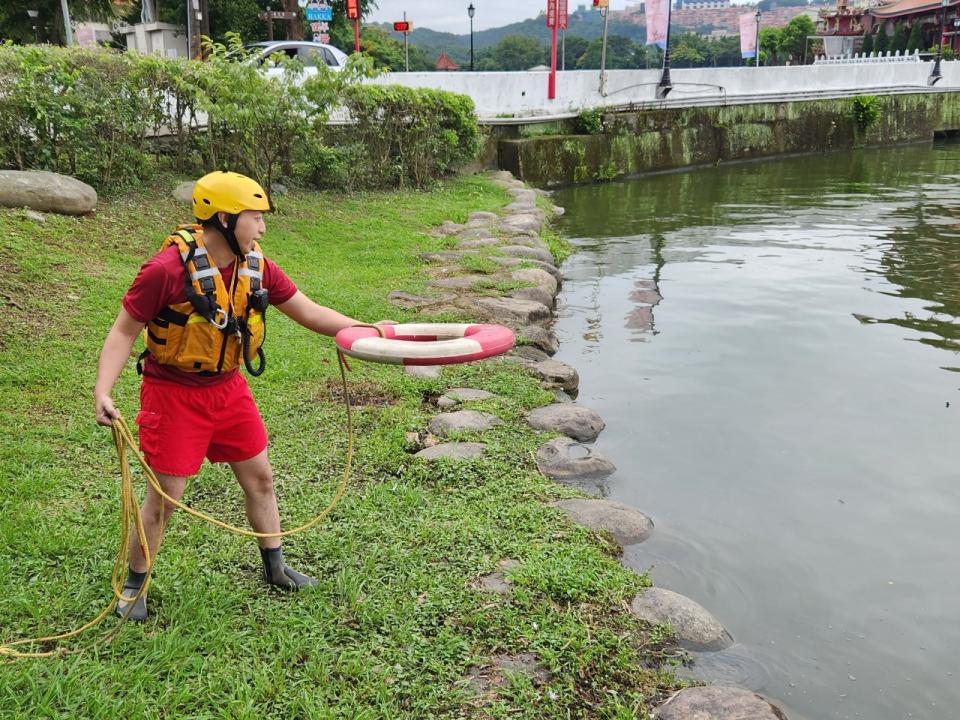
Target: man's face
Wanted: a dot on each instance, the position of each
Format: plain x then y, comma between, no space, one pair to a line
250,227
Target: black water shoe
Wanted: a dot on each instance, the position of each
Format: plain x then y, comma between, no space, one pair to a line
138,613
277,572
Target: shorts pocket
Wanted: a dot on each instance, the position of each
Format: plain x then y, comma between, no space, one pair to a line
149,425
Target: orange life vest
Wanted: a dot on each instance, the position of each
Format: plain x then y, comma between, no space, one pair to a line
214,330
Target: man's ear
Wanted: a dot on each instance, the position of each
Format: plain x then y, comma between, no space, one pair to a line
223,218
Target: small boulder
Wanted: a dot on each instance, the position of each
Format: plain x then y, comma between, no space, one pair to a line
482,218
502,175
278,189
696,628
718,703
566,459
448,228
527,354
35,216
540,338
523,194
556,374
454,397
441,257
183,192
409,301
425,372
452,451
535,294
628,526
523,312
475,233
458,282
522,251
46,192
558,211
569,419
540,278
478,243
462,421
522,221
545,266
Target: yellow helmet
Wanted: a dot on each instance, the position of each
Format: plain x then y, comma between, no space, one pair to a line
229,192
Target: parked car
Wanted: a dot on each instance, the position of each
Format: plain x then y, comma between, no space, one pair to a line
310,54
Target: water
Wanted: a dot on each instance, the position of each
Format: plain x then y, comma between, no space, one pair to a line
775,348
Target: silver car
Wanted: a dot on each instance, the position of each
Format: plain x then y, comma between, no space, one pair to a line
309,53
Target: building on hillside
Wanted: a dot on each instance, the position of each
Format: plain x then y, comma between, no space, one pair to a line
446,63
843,27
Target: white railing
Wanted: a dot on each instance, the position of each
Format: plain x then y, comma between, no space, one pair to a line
858,58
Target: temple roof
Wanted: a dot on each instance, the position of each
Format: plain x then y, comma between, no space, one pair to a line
904,7
444,62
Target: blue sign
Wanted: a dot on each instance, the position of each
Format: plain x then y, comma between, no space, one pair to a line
316,14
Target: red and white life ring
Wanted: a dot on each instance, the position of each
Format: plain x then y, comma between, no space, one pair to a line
425,343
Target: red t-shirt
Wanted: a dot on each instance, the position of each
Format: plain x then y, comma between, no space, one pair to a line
161,283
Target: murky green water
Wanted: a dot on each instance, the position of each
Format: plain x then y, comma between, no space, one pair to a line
776,350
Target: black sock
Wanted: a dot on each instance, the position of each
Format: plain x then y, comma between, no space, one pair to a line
135,579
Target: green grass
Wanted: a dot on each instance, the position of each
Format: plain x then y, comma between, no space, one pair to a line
395,624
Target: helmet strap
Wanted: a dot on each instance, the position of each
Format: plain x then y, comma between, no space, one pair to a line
229,233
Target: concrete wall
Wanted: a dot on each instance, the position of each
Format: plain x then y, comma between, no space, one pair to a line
634,143
524,94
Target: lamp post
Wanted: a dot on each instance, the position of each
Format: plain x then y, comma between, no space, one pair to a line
33,22
470,11
758,35
935,74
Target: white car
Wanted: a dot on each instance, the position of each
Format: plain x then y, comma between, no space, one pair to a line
310,54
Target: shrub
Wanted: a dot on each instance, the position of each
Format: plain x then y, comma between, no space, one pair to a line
590,122
865,111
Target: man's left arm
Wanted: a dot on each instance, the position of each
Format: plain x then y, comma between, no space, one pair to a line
323,320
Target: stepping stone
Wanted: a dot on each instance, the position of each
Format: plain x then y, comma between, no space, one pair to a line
475,233
540,338
462,421
537,295
452,451
527,355
441,257
46,192
523,312
497,581
569,419
482,217
454,397
426,372
479,243
695,627
566,459
458,282
502,175
627,525
556,374
522,221
523,193
526,240
448,228
545,266
529,253
413,302
718,703
523,207
183,192
540,278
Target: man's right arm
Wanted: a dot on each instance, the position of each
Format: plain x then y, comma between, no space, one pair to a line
113,358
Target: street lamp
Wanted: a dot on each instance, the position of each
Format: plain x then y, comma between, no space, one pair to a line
758,35
33,21
935,74
470,11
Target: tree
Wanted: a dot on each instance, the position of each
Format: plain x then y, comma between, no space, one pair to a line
769,45
514,52
882,43
867,46
387,53
915,41
621,54
899,40
16,24
793,38
573,49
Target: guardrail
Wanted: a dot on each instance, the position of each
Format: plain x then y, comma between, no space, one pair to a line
859,58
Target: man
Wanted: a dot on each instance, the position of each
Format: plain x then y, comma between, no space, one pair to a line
203,299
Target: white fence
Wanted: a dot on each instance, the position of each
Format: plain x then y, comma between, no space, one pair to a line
857,58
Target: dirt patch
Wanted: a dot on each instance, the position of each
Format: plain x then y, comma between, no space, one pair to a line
486,680
362,393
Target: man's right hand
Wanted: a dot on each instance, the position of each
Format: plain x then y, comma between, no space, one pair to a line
106,412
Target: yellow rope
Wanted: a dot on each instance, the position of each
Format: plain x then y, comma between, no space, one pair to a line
124,440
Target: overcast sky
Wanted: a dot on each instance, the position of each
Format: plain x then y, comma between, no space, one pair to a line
451,15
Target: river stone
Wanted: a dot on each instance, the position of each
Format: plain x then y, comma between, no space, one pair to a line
442,256
183,192
717,703
569,419
522,251
482,217
46,192
452,451
523,312
527,240
540,278
462,421
35,216
523,193
514,261
452,398
566,459
696,628
558,211
628,526
540,338
561,397
448,228
533,293
475,233
523,221
523,207
458,282
478,243
556,374
426,372
527,354
413,302
502,175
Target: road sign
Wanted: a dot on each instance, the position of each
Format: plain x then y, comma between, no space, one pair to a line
562,15
403,27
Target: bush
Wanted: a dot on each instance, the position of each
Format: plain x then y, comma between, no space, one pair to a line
866,111
113,119
590,122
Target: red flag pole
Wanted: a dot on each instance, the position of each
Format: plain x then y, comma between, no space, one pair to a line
552,86
356,35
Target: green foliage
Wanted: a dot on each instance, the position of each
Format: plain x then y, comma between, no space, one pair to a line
573,49
770,39
899,40
93,113
867,46
16,25
793,38
388,53
865,111
621,53
946,52
410,135
590,122
882,42
915,40
514,52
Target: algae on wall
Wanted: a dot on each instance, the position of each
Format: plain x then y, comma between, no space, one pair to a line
650,140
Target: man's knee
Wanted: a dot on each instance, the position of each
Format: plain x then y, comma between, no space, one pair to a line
261,482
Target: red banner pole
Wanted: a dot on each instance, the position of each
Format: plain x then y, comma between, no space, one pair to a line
552,85
356,35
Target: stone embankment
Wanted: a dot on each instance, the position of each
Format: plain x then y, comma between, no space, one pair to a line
499,269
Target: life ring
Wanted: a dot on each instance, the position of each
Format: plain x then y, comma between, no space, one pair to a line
425,343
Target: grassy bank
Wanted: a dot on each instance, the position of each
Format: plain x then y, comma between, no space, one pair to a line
397,622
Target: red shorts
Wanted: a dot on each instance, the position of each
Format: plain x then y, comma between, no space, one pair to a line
181,424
